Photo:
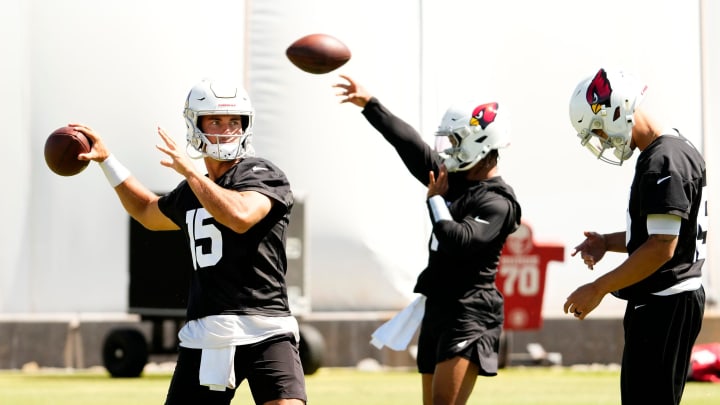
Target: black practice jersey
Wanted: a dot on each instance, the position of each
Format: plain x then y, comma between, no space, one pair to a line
464,253
235,273
669,179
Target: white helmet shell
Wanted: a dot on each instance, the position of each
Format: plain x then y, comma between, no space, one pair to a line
472,131
606,102
211,97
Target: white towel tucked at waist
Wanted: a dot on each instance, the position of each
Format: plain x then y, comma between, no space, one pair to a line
218,335
398,331
217,368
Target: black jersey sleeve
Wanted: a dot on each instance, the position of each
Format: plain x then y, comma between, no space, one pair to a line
476,229
664,193
416,154
261,175
170,203
250,174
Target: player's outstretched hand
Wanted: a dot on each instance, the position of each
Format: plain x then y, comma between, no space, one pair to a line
592,249
98,152
351,92
178,159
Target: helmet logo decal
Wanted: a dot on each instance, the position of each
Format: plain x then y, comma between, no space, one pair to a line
484,115
599,91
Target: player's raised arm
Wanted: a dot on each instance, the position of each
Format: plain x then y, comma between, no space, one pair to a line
138,200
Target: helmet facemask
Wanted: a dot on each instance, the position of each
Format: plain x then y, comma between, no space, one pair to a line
598,142
467,134
216,98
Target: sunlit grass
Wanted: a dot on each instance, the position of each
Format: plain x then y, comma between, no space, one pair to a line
517,385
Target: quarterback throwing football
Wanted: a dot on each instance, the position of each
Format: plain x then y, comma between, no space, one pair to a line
235,220
473,211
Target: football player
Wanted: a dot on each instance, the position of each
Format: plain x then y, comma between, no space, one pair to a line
235,219
473,211
664,238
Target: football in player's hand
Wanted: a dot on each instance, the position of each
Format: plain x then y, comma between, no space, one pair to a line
62,148
318,53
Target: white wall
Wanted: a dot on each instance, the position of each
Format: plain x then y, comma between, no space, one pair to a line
366,216
125,68
17,163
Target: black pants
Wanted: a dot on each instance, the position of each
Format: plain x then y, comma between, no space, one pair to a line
272,368
468,327
659,336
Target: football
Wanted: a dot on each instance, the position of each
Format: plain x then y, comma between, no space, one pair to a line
62,148
318,53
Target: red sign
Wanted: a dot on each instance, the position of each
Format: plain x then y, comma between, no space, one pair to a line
521,278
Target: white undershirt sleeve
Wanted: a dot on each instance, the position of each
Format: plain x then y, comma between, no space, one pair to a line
438,209
663,224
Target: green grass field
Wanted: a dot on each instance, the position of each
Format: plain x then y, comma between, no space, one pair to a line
537,386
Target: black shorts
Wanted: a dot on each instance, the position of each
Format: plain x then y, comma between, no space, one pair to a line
659,335
469,328
272,368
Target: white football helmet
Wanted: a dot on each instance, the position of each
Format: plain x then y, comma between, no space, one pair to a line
606,103
468,132
217,98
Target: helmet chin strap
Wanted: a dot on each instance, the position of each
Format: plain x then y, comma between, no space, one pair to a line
623,153
454,165
226,152
451,164
192,152
220,151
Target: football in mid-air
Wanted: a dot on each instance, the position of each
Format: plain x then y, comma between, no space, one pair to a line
318,53
62,148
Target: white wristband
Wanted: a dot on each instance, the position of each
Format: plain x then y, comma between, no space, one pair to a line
438,209
114,171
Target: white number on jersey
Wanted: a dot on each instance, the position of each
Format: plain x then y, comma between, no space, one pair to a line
198,230
702,227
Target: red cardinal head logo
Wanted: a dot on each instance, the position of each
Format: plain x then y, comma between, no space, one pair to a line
484,115
599,91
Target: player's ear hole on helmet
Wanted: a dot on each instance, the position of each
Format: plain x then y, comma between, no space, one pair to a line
616,114
490,159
